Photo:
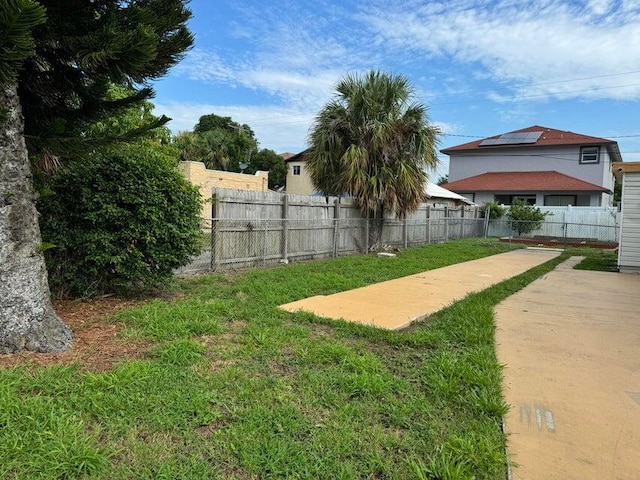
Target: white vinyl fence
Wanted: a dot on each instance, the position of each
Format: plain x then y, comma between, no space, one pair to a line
568,224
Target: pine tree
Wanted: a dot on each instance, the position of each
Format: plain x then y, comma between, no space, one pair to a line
57,75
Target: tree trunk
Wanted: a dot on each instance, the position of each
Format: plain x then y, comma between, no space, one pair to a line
27,318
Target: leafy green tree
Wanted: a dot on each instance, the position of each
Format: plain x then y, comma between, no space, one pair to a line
525,218
269,161
223,144
218,142
443,180
56,76
494,208
101,44
373,142
212,121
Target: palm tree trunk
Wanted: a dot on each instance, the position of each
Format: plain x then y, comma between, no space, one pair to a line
27,318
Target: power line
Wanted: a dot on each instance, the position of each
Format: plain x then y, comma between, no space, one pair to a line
517,97
539,84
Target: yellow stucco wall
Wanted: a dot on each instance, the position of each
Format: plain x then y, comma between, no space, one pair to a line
207,180
299,184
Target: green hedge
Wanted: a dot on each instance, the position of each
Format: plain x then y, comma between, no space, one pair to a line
119,221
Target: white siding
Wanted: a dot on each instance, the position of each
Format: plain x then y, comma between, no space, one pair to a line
629,252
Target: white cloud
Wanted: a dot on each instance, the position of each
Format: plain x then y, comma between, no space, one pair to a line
524,44
466,50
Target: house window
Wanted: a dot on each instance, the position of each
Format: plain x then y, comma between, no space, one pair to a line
589,154
296,169
559,200
508,199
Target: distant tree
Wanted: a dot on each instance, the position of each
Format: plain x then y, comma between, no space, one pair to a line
374,143
526,218
212,121
269,161
210,148
443,180
218,142
54,81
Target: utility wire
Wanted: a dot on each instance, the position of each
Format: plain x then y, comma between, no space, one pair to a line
514,98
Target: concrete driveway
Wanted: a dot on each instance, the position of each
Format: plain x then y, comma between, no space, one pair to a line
571,345
396,303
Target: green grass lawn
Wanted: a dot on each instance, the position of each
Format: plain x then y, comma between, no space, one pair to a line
600,260
235,388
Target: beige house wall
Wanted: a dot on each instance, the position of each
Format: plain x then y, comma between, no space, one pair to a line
206,180
299,184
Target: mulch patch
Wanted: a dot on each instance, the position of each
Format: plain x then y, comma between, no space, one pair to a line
96,343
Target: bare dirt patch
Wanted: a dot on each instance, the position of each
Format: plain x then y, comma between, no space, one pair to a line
96,346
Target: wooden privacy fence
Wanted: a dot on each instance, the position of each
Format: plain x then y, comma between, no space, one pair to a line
262,228
249,229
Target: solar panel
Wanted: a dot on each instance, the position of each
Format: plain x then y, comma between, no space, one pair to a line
514,138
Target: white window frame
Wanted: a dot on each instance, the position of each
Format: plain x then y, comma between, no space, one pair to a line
590,155
296,169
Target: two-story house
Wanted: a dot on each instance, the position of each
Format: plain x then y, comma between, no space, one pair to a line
540,165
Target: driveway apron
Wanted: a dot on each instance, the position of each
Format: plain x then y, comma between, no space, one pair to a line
396,303
571,345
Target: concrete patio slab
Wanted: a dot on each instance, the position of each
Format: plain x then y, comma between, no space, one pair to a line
571,345
394,304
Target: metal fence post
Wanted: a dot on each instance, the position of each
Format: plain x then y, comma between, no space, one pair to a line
487,214
510,230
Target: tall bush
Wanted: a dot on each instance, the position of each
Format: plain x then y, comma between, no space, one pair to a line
119,221
494,209
525,218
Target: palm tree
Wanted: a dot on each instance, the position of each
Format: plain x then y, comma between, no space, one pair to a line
374,143
54,80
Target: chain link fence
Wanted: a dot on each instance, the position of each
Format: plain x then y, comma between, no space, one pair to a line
560,233
240,243
229,244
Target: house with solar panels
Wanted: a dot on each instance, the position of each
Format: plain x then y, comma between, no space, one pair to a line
539,165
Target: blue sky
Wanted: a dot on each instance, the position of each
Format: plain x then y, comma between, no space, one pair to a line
481,67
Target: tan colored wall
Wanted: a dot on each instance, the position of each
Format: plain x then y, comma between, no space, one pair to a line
299,184
207,180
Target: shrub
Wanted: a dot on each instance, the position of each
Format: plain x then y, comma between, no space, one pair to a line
119,221
526,218
495,210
